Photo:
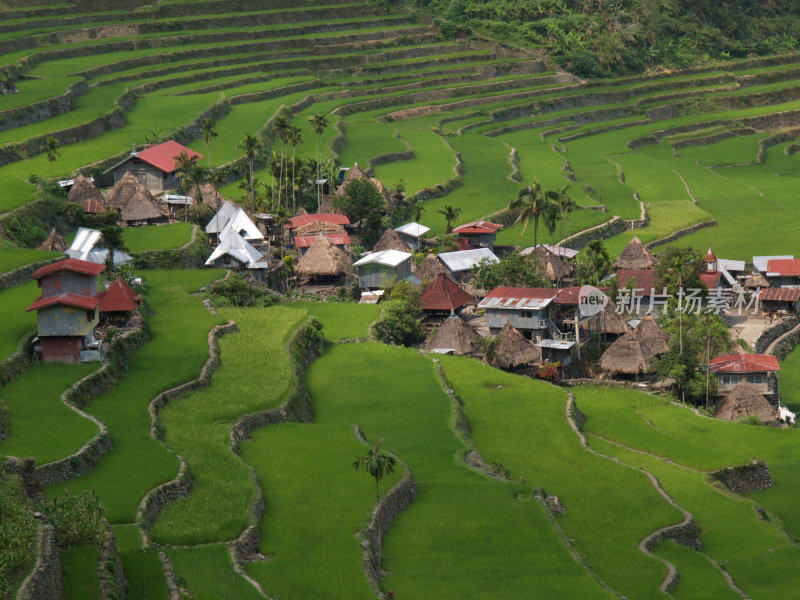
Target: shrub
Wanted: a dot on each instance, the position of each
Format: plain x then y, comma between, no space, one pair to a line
3,420
549,372
750,420
17,532
237,291
77,520
399,325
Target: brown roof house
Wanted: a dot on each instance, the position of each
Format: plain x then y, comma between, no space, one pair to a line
53,242
743,401
323,259
553,267
756,281
624,357
123,191
513,350
635,256
390,240
443,296
611,322
141,209
429,268
651,337
206,193
155,166
453,336
85,193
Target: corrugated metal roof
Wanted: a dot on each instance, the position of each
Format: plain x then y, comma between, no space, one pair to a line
327,217
783,267
556,250
519,298
744,363
236,246
73,265
390,258
780,295
760,262
478,227
221,218
464,260
730,265
241,224
554,344
163,156
84,248
74,300
413,229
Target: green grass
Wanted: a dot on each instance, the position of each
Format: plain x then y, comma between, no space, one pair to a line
207,571
698,577
14,258
79,568
14,301
789,378
144,574
179,325
158,237
341,320
40,424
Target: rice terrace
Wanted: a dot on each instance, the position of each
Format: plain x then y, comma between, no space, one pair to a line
399,299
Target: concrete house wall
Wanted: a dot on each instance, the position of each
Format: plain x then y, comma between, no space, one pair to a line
382,276
66,281
61,320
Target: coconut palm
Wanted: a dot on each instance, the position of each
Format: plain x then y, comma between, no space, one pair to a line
184,163
318,124
564,204
376,463
111,239
450,214
532,203
208,133
294,136
50,147
280,129
252,148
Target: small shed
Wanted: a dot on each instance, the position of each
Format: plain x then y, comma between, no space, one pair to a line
380,270
453,336
123,191
552,266
610,322
756,281
340,239
85,193
635,256
459,264
780,298
391,240
53,242
514,350
411,233
322,259
206,194
118,301
743,401
478,234
760,370
651,337
443,296
142,209
783,272
429,268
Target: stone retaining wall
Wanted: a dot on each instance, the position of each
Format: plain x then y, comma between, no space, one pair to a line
610,228
16,364
191,256
773,333
680,233
744,478
154,502
442,189
44,582
45,109
23,274
109,567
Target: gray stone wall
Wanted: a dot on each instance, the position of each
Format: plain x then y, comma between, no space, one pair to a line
773,333
16,364
680,233
23,274
109,567
744,478
606,230
44,582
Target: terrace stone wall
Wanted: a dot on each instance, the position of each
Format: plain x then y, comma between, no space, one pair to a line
773,333
744,478
154,502
23,274
605,230
46,109
680,233
109,567
44,581
16,364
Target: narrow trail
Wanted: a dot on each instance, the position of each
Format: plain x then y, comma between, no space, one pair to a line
771,348
688,189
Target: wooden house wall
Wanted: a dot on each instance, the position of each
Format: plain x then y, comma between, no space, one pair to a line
61,320
62,349
496,318
64,282
153,179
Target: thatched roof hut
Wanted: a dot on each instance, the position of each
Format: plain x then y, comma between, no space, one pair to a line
611,322
123,191
85,193
513,349
755,281
53,242
142,207
551,266
391,240
317,227
354,173
743,401
322,259
429,268
635,256
454,334
651,337
624,356
208,194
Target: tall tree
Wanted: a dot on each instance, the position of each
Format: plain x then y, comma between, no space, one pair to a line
280,129
450,214
532,203
295,136
565,204
184,163
252,148
377,463
318,124
111,239
208,125
50,147
593,264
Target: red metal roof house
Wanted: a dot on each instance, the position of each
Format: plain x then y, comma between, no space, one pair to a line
759,369
478,234
154,167
119,300
443,296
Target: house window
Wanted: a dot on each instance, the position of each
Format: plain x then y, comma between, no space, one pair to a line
226,259
90,315
755,378
730,379
526,314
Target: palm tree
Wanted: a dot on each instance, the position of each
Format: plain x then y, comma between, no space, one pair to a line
376,463
184,163
280,129
318,124
565,204
295,136
252,148
50,147
531,203
450,214
208,133
197,176
111,239
416,208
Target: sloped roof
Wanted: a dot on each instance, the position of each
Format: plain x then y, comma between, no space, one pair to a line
318,227
299,220
635,256
208,194
624,356
241,224
478,227
232,244
119,297
429,268
221,217
611,321
645,281
322,259
74,300
123,191
162,156
744,363
338,239
711,279
72,265
743,401
519,298
413,229
710,256
142,207
760,262
513,349
756,280
85,193
464,260
53,242
84,247
454,334
561,251
780,294
553,267
442,294
785,267
651,337
390,258
391,240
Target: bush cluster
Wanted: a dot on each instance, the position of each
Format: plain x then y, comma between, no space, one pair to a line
17,530
237,291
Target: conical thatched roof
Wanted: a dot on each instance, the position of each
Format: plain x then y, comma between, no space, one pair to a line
755,281
453,333
635,256
551,266
322,259
316,227
53,242
624,356
391,240
123,191
354,173
443,295
84,192
142,207
745,400
208,194
611,322
429,268
513,349
651,337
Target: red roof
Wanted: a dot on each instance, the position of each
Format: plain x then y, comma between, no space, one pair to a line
568,295
71,264
784,266
744,363
478,227
85,302
301,220
443,294
710,256
162,157
780,295
338,239
118,297
645,280
711,279
512,296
